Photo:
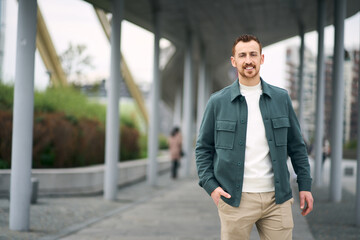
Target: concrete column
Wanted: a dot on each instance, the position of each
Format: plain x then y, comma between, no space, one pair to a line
112,139
357,211
177,107
188,106
208,85
201,101
320,93
153,142
337,114
2,34
301,79
21,152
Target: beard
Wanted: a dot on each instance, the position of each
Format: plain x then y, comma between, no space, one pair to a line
249,74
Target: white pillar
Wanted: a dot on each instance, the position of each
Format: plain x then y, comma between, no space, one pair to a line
357,205
301,79
208,85
201,101
177,107
112,139
2,34
320,93
337,114
153,142
21,152
188,105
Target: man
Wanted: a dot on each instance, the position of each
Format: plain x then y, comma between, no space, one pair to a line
247,133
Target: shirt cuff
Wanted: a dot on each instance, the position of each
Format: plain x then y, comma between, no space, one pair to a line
210,186
304,185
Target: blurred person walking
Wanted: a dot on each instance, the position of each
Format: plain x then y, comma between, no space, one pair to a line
175,146
247,133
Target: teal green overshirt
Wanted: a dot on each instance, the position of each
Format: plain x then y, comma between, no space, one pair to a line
220,147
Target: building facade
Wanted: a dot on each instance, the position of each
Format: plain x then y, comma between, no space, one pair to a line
351,84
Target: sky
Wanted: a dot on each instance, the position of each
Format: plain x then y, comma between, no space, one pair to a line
78,24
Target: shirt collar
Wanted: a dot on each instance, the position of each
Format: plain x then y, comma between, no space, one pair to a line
235,89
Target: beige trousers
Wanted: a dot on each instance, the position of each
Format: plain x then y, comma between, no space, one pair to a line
273,221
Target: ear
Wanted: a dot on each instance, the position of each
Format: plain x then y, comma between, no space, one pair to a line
262,59
233,63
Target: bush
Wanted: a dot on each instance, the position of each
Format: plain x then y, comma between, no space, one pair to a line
70,101
69,130
163,142
350,144
6,96
5,138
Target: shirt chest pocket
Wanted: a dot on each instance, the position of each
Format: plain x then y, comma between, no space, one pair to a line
280,126
225,134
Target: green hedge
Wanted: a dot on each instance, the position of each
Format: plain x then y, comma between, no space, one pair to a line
69,129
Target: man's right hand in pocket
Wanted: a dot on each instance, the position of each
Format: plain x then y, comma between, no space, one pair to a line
217,193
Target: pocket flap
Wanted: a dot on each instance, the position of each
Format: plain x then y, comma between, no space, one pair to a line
281,122
225,126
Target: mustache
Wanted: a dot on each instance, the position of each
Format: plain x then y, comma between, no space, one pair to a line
249,65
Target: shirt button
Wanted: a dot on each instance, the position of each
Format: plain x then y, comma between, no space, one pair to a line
242,121
237,185
239,164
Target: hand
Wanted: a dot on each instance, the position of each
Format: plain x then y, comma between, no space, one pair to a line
306,197
215,195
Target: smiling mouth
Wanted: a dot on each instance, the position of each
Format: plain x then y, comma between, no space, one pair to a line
249,68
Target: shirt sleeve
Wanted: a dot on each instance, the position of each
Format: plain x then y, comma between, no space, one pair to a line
297,151
205,149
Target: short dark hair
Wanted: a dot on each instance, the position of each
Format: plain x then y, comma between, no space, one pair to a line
245,38
174,131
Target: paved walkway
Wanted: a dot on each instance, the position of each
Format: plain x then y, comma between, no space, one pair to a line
178,210
183,211
172,210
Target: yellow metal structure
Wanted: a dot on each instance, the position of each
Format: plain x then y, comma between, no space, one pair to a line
129,80
48,53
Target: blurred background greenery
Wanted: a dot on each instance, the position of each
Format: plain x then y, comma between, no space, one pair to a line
69,129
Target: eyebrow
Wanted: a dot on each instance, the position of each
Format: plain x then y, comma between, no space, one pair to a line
251,52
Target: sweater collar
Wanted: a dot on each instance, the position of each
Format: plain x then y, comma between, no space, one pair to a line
235,89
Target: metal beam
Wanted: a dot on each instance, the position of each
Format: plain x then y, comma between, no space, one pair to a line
22,138
337,114
128,78
320,93
48,53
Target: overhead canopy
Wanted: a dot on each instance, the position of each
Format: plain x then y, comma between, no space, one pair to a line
216,25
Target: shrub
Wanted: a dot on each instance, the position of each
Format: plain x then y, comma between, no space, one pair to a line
6,96
69,130
5,137
163,142
70,101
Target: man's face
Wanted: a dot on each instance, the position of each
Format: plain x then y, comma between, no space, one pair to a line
247,59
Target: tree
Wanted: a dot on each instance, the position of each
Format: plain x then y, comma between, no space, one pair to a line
75,62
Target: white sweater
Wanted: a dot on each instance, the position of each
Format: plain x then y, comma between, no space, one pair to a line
258,172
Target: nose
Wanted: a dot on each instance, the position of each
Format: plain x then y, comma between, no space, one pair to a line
247,59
